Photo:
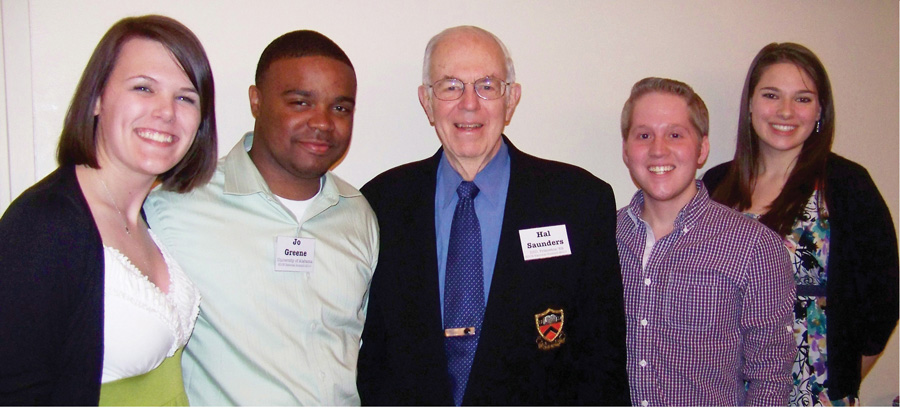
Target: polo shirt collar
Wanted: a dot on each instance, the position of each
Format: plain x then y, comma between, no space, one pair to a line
243,178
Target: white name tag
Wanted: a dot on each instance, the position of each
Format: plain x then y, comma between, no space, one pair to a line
295,254
545,242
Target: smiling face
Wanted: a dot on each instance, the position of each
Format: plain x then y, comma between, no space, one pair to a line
469,128
304,120
784,109
663,150
148,113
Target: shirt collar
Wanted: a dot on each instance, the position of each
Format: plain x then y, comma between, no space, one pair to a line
489,180
686,218
242,177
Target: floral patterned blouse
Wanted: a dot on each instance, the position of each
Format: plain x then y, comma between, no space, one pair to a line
808,244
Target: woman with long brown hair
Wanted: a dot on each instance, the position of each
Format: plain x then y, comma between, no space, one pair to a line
834,221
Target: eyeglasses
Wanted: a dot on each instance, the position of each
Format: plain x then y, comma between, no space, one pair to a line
451,89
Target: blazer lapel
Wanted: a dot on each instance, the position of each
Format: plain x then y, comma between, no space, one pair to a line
508,251
424,285
505,285
423,216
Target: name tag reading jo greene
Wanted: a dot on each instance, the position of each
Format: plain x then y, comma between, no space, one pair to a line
295,254
545,242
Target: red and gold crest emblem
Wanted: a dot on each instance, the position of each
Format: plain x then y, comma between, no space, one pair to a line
550,325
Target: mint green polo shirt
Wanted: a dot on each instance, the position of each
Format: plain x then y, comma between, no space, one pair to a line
267,337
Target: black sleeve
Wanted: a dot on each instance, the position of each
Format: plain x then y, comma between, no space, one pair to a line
369,375
870,235
372,349
51,347
603,375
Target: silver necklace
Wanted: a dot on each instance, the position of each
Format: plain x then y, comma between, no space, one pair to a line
124,220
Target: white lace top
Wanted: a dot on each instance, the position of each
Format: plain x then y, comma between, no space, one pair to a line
142,325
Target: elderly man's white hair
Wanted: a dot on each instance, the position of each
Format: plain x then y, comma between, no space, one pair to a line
429,50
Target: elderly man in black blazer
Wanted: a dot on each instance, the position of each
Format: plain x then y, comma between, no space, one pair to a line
498,281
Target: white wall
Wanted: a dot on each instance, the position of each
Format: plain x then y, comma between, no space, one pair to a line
576,61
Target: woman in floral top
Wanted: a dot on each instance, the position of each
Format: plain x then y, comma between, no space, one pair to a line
835,223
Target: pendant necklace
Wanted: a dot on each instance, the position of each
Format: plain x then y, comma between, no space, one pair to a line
124,220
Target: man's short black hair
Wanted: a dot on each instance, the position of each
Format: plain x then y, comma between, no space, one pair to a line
296,44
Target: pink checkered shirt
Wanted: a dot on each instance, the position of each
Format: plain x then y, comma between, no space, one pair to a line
709,316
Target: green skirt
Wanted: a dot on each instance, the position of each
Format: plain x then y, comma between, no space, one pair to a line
163,386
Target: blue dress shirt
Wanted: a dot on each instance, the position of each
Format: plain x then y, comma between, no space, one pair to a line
493,183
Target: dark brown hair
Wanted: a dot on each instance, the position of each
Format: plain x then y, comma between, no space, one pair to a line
808,173
78,142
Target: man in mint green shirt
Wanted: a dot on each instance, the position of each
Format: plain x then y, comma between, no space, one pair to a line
282,249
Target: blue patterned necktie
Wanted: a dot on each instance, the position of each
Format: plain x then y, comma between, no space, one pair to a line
463,289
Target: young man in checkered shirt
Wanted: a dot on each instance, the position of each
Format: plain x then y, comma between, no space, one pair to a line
708,291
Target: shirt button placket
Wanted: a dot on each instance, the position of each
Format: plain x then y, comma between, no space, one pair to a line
644,350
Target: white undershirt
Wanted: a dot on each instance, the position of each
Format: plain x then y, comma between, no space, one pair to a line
142,325
298,207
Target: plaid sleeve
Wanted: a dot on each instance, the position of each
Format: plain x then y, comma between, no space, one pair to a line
768,342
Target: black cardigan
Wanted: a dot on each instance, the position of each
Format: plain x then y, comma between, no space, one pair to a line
51,297
862,287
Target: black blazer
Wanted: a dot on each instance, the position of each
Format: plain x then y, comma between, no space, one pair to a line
402,360
862,267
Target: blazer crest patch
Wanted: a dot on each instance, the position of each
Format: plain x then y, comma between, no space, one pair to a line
549,326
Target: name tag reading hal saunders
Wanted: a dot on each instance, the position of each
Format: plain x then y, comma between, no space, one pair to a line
295,254
545,242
